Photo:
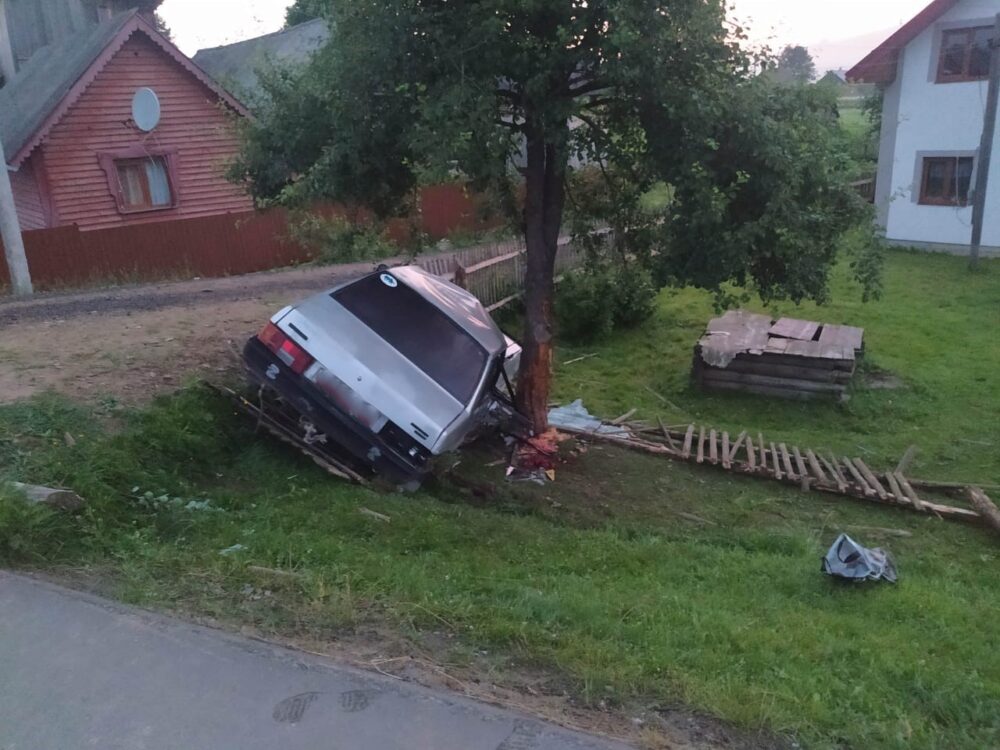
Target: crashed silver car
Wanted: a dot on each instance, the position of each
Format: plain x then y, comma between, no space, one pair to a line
395,368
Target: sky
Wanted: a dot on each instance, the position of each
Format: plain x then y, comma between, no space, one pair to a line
838,32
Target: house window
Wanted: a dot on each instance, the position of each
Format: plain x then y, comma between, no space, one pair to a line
965,54
144,184
946,181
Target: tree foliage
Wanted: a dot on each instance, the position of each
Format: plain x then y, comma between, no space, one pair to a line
646,93
306,10
794,65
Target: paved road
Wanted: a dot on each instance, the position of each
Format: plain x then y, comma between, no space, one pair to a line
81,672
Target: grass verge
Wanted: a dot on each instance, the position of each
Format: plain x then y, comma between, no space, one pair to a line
640,582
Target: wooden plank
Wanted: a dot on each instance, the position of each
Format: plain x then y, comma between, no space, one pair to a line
701,445
906,460
763,451
837,472
624,416
786,461
725,450
688,437
751,455
779,370
871,479
761,390
666,434
799,463
845,336
716,375
984,506
736,446
790,328
775,461
858,477
910,493
713,450
894,488
798,360
817,470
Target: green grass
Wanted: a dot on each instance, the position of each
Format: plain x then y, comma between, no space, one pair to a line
605,579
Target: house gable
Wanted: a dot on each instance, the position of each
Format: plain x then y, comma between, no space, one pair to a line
195,134
41,95
880,65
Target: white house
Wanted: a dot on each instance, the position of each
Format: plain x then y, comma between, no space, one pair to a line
933,74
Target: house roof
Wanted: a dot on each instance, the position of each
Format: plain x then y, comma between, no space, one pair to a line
56,76
880,64
237,64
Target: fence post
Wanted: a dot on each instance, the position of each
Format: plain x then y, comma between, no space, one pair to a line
460,275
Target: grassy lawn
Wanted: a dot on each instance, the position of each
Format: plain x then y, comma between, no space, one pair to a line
636,581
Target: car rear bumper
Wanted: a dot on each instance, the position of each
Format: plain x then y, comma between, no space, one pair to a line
302,395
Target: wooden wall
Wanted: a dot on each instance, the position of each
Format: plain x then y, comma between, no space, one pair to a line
28,197
193,122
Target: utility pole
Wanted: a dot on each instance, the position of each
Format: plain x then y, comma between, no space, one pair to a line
986,148
10,233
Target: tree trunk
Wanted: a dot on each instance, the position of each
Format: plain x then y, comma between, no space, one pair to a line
543,210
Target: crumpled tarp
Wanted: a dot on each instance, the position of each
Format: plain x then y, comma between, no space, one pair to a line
576,417
848,559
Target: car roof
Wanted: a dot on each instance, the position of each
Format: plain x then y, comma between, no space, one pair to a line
457,303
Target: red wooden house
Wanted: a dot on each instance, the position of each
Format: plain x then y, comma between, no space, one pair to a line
77,157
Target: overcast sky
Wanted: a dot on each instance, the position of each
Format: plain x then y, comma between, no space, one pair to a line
816,23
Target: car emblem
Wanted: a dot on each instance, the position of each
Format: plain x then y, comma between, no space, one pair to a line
389,280
273,372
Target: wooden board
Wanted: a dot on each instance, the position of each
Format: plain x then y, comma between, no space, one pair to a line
688,437
790,328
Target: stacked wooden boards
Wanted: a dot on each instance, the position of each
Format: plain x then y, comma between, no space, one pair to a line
789,358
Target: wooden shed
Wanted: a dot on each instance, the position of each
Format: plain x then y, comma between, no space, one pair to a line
789,358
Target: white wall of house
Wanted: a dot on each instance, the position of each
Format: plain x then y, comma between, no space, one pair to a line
934,119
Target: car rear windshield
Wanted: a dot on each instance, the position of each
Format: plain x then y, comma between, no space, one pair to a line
417,330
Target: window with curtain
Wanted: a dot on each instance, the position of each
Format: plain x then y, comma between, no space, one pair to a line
947,181
144,183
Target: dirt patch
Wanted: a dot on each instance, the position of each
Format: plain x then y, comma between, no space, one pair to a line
133,344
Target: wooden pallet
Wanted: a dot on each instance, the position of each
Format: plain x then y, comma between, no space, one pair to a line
810,470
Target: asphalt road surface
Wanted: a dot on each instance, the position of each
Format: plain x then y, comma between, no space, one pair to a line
80,672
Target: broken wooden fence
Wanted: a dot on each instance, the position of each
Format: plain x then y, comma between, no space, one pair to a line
806,468
496,278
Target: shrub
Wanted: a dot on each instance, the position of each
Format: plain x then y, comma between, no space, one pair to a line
337,240
593,302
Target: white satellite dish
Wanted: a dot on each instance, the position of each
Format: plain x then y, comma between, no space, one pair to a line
146,109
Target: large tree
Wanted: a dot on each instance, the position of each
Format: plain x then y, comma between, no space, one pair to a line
645,92
794,65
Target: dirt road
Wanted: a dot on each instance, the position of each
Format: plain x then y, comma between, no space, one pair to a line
133,343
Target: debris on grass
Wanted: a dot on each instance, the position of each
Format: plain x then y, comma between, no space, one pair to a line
59,499
576,417
232,550
851,561
381,517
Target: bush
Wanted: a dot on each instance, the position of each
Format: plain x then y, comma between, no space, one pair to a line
593,302
337,240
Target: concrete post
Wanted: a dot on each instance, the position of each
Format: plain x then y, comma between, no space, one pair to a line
986,148
10,233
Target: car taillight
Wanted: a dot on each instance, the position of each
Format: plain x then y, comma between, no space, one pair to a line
293,355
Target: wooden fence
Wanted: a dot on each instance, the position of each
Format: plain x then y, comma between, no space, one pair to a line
495,272
221,245
865,188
